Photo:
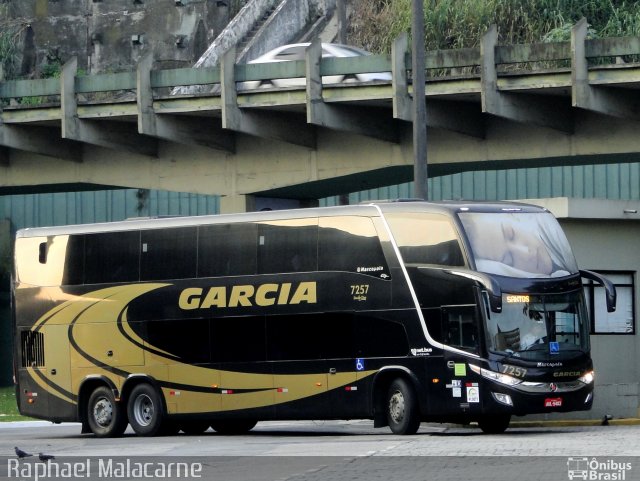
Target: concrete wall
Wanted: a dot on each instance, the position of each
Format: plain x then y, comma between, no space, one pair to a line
291,19
112,35
611,245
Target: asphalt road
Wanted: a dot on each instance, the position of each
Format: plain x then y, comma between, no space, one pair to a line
339,450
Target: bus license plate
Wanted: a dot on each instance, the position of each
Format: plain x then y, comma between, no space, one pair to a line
553,402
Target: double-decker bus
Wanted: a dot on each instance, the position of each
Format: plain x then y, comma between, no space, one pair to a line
399,312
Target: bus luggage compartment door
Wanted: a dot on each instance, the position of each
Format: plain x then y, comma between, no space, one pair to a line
45,373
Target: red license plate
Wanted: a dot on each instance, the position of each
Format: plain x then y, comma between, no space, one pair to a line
553,402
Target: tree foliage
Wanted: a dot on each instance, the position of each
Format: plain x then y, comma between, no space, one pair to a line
461,23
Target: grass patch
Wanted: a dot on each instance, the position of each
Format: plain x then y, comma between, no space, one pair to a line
9,406
451,24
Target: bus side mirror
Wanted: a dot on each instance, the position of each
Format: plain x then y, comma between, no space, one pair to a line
609,288
494,292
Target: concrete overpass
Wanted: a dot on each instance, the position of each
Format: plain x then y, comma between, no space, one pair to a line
491,107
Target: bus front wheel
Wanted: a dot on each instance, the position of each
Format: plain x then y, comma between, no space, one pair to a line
494,424
106,416
145,410
403,413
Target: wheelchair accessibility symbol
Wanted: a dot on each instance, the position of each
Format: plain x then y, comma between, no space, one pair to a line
359,364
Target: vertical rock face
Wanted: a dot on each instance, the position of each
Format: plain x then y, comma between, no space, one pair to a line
112,35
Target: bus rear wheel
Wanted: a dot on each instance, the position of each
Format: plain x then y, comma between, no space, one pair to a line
235,426
106,416
403,413
145,410
494,424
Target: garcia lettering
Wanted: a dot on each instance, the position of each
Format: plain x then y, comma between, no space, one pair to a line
247,295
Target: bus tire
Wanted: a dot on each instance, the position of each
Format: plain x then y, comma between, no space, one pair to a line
403,414
494,424
145,410
233,426
105,416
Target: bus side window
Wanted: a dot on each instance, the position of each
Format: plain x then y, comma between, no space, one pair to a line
112,257
350,244
426,239
168,254
42,253
376,337
227,250
288,246
460,327
238,339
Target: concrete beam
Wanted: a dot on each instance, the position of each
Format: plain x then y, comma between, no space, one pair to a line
265,124
112,135
359,121
181,129
236,203
529,109
40,140
460,117
615,103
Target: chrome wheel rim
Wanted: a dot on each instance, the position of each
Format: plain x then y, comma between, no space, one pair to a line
143,410
103,412
396,407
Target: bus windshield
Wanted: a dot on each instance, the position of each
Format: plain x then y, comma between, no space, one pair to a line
539,327
517,244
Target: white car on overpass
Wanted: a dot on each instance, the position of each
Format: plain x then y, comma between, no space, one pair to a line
291,52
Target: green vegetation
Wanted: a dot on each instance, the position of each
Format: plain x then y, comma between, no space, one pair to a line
461,23
9,35
8,405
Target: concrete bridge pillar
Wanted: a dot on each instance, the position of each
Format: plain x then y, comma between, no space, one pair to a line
235,203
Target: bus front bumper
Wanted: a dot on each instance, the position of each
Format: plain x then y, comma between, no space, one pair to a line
536,398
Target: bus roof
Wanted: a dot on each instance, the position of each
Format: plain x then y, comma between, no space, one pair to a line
371,209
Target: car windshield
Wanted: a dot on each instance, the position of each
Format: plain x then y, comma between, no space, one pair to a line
540,328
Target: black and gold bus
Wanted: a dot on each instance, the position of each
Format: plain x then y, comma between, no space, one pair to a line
399,312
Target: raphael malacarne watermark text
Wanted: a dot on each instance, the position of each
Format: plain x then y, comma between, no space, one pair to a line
103,468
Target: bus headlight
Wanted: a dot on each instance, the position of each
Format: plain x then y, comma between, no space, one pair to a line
587,377
495,376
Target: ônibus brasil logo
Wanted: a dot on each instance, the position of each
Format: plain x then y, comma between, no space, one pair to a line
595,469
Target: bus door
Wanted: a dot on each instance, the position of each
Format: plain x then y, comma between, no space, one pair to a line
460,330
346,395
340,351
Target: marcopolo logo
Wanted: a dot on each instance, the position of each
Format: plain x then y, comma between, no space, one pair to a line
595,469
248,295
